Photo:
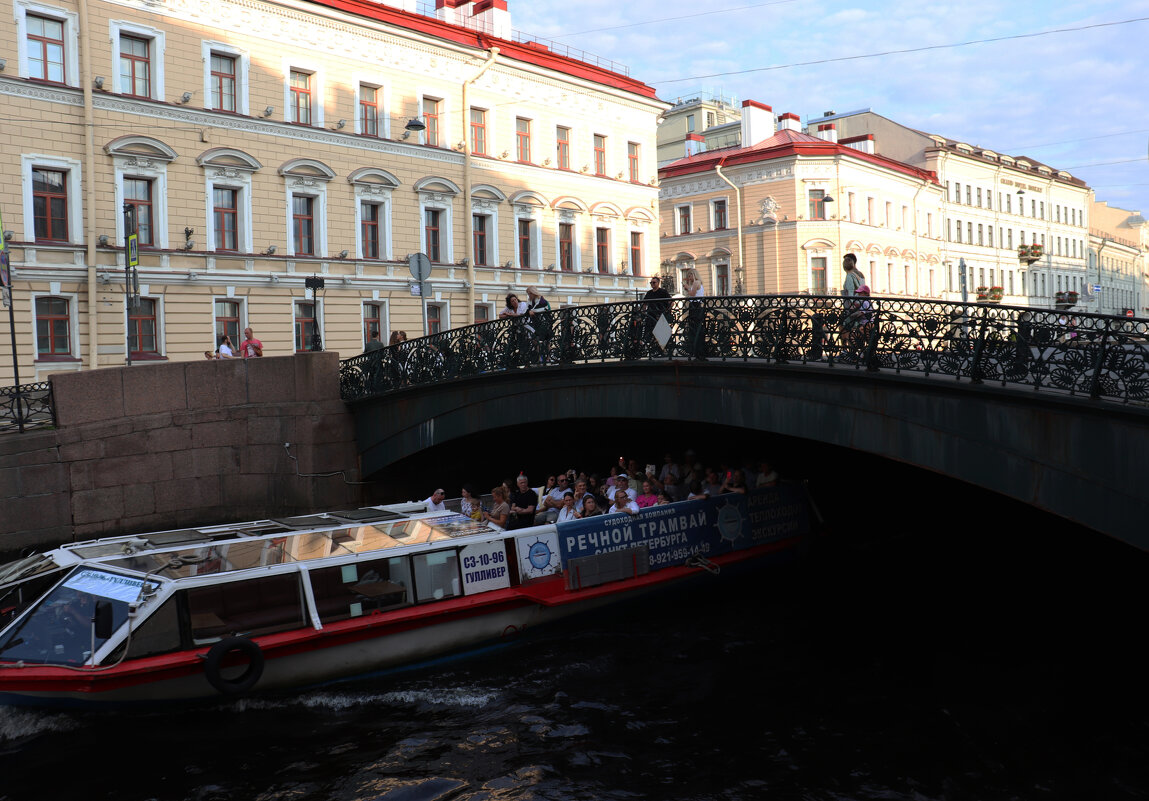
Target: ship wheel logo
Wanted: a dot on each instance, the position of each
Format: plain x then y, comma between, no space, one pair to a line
539,555
729,523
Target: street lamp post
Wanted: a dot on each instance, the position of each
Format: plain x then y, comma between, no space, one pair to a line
315,284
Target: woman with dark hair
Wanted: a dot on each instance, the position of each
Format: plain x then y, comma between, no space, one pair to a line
854,279
469,504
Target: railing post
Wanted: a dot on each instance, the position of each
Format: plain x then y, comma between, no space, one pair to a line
1095,383
979,346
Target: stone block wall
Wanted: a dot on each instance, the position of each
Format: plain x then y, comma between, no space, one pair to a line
185,443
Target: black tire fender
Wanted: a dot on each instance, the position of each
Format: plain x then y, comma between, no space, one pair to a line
220,652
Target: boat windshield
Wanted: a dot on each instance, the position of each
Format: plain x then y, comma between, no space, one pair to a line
59,628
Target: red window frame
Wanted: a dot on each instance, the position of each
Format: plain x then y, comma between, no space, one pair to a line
223,82
369,226
720,223
142,329
145,223
48,46
722,279
300,97
50,204
602,249
431,120
479,229
431,234
227,320
599,155
523,139
434,318
372,321
684,226
306,324
566,247
632,160
53,327
818,285
303,224
135,68
636,253
525,244
369,109
563,147
818,204
225,210
478,118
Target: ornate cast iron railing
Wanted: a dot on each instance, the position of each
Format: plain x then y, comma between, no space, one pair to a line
1102,357
27,406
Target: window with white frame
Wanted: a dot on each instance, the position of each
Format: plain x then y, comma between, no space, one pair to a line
227,188
138,52
49,49
602,255
432,111
305,182
140,164
718,217
682,219
226,71
229,319
300,97
308,318
485,224
567,250
145,328
436,318
374,320
367,110
435,215
528,242
373,205
52,202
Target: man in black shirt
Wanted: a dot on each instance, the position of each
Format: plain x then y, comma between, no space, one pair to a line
524,501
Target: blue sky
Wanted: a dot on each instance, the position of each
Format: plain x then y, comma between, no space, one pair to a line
1074,100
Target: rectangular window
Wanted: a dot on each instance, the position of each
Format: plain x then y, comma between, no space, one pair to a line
53,327
968,195
818,204
720,215
45,49
636,253
602,249
369,230
372,321
301,97
957,192
989,235
303,224
135,66
566,247
599,154
142,329
138,193
722,279
50,205
689,122
479,226
989,199
482,313
684,220
431,234
225,209
632,153
223,82
431,113
523,139
227,320
525,244
979,197
1008,204
368,110
478,131
434,318
818,275
306,325
1009,236
957,227
980,234
969,232
563,147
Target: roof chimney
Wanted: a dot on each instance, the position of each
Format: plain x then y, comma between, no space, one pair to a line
757,122
695,144
789,122
864,142
828,131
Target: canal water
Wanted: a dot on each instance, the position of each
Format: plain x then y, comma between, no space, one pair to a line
991,658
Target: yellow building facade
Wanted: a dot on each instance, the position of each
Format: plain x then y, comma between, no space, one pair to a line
778,215
259,145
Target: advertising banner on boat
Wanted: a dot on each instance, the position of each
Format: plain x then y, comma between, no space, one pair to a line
484,567
676,531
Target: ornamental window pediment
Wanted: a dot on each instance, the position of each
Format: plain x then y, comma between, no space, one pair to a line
229,160
309,170
142,148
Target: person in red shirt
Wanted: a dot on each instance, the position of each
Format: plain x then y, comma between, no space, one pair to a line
250,346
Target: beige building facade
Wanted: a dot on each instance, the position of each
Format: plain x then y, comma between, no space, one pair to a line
261,144
778,215
1118,277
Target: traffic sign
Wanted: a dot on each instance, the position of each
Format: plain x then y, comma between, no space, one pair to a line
420,266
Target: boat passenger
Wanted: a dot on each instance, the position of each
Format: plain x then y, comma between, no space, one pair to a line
623,503
568,511
435,502
647,498
498,513
468,503
590,506
524,501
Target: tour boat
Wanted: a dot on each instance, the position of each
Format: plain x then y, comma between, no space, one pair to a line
275,605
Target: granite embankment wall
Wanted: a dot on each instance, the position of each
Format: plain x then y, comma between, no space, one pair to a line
161,446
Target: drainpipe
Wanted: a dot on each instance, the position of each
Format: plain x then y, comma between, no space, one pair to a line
738,197
90,181
470,225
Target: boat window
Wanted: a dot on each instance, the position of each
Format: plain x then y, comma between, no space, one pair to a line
360,588
437,575
158,634
250,607
59,629
15,598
